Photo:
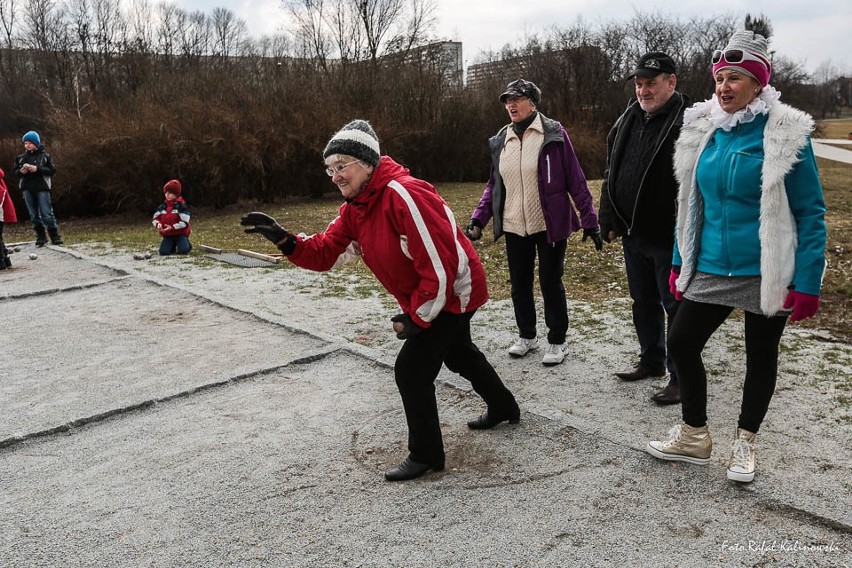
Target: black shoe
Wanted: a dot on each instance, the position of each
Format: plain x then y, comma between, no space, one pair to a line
410,469
669,395
639,373
486,421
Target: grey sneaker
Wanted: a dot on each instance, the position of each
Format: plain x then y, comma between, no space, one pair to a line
554,355
741,465
685,443
523,346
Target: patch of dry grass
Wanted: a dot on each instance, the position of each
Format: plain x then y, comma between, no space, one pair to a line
835,129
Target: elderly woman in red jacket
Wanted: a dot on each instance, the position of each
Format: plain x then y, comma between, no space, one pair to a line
407,236
535,183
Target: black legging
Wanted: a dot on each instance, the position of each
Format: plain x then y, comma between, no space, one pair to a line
693,325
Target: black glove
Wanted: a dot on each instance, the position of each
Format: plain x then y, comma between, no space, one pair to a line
595,234
269,228
473,230
408,328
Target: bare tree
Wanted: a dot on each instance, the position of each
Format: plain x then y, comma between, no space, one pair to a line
311,33
168,31
229,33
378,17
7,20
141,26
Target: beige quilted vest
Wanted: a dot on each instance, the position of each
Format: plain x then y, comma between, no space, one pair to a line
522,214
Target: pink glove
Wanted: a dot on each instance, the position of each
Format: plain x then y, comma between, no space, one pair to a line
804,305
678,295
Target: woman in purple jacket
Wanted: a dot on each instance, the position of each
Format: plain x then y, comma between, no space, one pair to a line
535,183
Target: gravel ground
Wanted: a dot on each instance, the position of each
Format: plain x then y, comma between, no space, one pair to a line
183,412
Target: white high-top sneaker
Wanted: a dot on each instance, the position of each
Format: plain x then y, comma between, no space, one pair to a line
741,465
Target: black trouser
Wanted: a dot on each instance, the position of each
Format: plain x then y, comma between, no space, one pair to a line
447,341
693,325
649,263
4,254
520,254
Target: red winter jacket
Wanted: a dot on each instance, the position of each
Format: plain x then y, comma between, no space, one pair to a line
7,208
172,218
408,237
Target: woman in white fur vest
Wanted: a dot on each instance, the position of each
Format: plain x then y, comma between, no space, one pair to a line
750,235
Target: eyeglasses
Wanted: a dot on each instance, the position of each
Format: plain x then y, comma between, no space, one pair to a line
338,169
736,56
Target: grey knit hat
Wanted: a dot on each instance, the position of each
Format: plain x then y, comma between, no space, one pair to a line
751,48
356,139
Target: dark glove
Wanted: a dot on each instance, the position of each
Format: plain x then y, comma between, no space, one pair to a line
595,234
473,230
404,327
269,228
803,305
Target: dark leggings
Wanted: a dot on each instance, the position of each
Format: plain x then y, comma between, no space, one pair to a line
693,325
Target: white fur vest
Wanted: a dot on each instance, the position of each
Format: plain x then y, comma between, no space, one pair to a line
785,134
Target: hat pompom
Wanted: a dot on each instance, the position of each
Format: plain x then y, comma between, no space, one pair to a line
759,25
173,186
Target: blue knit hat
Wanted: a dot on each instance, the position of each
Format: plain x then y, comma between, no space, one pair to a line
32,136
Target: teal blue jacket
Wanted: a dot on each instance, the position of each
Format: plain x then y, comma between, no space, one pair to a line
731,176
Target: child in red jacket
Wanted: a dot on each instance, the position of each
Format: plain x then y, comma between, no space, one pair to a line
7,215
172,221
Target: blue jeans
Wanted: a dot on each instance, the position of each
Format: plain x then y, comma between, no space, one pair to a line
177,244
40,209
649,264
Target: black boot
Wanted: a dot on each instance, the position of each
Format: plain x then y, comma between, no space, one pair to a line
55,239
41,236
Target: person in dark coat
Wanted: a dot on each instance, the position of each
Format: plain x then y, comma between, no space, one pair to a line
638,205
34,171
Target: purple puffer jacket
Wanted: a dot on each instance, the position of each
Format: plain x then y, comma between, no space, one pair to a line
559,176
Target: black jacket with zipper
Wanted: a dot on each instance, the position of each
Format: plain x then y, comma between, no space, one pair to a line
648,208
39,180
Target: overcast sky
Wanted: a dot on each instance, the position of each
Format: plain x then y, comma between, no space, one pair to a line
807,31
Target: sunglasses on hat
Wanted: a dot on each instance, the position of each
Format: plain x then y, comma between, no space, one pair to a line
735,56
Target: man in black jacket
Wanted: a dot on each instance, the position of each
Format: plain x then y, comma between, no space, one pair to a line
638,204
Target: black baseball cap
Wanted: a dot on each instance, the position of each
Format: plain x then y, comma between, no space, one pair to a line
652,64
